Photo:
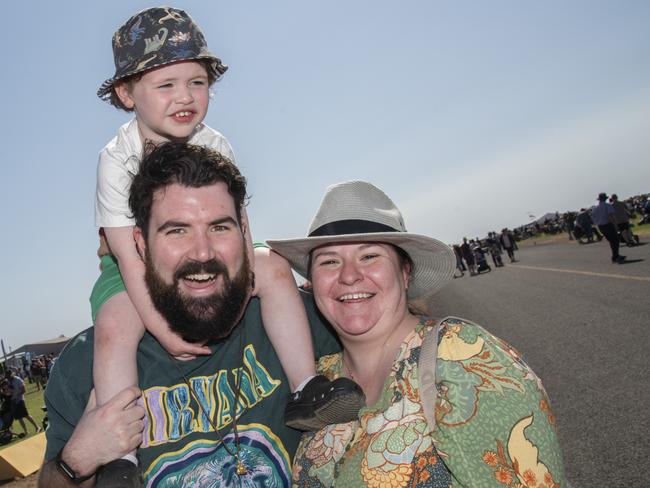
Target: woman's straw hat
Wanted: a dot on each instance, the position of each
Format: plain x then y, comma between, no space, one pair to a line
357,211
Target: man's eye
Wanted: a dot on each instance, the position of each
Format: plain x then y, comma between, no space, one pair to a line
369,257
175,231
219,228
165,85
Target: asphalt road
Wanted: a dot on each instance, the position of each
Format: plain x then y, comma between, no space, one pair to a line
583,324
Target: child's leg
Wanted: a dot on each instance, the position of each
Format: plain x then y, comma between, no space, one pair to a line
284,317
316,401
118,330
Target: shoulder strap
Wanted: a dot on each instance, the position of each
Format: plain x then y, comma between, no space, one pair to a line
427,374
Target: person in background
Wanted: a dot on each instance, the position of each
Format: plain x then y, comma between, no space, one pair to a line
459,261
468,256
507,241
603,215
18,407
622,216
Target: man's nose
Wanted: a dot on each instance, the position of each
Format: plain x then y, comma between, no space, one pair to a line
201,248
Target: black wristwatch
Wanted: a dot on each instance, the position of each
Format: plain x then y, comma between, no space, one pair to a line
68,472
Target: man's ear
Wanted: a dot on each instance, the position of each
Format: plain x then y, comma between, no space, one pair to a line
248,240
140,243
244,223
123,92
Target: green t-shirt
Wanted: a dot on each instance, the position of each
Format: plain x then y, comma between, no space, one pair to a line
179,447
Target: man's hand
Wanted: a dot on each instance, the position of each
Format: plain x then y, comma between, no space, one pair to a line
105,433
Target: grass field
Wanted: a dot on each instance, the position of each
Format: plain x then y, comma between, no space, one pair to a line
34,401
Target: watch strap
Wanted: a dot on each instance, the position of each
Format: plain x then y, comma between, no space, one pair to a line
68,472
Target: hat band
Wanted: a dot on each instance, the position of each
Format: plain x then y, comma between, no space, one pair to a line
350,226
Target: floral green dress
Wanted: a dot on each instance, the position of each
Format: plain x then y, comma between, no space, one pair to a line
494,427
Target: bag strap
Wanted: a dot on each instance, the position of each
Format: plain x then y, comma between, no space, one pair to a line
427,374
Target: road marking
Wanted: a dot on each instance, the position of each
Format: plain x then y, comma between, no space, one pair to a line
587,273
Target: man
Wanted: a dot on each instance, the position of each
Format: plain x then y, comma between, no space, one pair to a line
217,417
584,226
18,407
507,241
6,417
622,216
468,256
603,217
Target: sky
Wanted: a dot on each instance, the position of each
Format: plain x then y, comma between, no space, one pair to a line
472,116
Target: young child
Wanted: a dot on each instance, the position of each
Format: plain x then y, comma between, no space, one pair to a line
163,74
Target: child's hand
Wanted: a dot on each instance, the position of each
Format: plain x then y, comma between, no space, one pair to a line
179,349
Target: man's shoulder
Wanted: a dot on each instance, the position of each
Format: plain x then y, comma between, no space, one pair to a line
76,354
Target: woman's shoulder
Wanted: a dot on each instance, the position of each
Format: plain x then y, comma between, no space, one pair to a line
460,338
493,416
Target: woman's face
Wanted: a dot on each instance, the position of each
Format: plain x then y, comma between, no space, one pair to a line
360,287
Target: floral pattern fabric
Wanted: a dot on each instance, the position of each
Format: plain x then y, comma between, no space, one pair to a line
494,426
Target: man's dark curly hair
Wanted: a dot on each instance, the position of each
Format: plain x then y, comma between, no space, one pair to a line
187,165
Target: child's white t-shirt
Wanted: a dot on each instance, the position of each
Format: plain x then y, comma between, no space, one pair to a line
119,161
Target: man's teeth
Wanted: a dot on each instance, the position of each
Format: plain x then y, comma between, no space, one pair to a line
354,296
200,277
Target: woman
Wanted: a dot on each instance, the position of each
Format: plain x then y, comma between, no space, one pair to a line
493,425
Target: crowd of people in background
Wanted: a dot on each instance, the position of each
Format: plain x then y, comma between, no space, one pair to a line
472,255
609,219
12,394
13,407
38,370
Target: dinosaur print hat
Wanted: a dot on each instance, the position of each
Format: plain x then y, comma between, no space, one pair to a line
155,37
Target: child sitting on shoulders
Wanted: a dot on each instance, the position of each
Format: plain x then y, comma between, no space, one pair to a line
163,74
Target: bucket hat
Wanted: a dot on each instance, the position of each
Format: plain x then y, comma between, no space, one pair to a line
154,37
357,211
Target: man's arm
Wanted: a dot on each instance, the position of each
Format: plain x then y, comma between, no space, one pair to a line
50,476
101,435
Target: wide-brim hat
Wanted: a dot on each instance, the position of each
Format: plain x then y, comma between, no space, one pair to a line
357,211
155,37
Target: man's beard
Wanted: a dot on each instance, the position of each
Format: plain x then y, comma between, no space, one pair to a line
201,319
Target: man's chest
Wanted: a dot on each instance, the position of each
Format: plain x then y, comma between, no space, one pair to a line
191,419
